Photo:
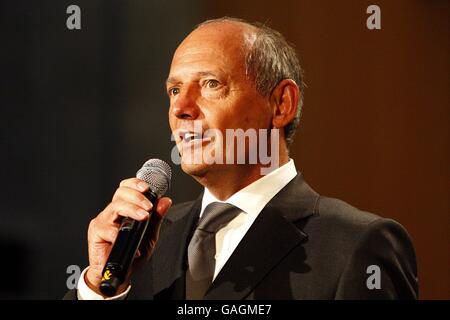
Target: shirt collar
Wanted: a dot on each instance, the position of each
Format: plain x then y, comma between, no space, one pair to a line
254,197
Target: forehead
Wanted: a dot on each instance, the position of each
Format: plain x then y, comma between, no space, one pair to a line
219,46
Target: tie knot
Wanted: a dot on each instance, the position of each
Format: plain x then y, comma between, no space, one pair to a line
216,215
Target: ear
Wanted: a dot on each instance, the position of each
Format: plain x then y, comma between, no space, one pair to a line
284,100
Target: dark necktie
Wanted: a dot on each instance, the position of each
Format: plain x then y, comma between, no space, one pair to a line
202,248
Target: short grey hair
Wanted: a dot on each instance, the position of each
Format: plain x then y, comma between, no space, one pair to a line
268,61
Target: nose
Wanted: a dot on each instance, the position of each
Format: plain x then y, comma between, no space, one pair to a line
185,106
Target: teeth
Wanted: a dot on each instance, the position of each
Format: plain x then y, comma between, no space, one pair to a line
191,136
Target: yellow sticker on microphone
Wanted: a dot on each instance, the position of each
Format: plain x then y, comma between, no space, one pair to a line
106,275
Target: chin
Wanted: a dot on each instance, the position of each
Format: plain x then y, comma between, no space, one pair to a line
197,170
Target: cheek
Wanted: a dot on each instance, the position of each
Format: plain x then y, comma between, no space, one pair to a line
256,115
172,121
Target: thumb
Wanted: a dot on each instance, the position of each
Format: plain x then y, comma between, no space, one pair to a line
163,206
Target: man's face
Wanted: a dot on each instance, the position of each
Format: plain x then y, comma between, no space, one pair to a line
208,84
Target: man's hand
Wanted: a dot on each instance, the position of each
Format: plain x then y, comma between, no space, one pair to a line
128,201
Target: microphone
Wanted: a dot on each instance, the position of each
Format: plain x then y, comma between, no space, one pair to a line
157,174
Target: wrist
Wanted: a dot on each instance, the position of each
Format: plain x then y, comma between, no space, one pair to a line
93,278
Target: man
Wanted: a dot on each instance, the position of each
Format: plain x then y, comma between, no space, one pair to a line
282,240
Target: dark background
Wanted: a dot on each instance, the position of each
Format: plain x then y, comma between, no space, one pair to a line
82,110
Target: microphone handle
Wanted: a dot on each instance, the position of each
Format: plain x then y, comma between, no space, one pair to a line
123,251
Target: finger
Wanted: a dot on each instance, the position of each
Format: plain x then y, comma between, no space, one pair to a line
131,195
135,183
126,209
102,233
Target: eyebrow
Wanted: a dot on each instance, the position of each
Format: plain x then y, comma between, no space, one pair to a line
174,80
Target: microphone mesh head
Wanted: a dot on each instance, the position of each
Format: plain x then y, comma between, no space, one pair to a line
157,174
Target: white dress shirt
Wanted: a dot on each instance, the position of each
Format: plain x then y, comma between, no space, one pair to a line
250,200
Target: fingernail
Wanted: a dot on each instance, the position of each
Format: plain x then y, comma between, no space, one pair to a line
146,205
142,213
142,186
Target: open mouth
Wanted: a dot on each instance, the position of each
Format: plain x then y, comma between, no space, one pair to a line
191,136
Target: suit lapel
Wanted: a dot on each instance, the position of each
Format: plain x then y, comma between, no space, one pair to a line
272,237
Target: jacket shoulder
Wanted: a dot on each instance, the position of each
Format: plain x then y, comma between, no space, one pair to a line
341,213
346,225
352,240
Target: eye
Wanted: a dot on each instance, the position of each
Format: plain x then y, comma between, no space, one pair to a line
174,91
212,84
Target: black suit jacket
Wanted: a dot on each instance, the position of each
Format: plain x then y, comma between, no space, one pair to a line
301,246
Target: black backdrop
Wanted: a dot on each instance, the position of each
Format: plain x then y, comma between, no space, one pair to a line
80,111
